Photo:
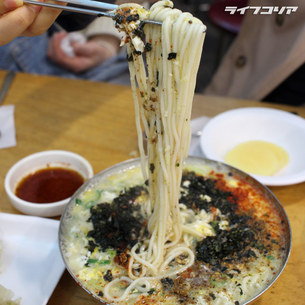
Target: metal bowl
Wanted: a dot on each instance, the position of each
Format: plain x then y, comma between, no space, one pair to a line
217,167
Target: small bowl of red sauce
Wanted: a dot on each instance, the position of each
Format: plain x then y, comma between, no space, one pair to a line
41,184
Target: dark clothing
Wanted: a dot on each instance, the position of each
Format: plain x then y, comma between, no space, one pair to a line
291,91
74,21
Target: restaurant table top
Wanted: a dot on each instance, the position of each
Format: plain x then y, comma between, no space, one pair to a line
96,120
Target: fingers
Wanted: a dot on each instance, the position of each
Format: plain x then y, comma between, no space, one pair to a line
9,5
23,20
54,51
87,55
90,54
43,21
15,22
85,49
56,54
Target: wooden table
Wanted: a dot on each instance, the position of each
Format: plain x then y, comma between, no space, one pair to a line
96,120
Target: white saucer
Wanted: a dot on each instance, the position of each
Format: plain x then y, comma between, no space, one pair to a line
228,129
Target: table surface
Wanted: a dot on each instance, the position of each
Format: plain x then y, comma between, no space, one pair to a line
96,120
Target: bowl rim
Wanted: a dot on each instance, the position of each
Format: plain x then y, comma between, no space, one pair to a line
30,157
210,153
130,163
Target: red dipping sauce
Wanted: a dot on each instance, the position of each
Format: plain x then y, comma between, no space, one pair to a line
49,185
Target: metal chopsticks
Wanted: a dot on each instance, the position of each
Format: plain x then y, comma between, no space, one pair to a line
92,3
87,3
71,8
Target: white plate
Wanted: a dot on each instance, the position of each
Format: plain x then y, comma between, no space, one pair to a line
226,130
31,263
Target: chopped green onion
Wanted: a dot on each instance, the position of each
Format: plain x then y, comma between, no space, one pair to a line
151,291
95,261
111,252
104,262
78,201
217,283
92,261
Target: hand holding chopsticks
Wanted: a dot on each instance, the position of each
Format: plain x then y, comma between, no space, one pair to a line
30,20
23,20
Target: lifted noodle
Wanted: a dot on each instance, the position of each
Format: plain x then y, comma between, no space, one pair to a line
163,70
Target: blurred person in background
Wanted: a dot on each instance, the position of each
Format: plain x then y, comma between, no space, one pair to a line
91,53
75,46
266,61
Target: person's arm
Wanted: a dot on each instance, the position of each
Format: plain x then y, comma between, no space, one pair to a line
18,19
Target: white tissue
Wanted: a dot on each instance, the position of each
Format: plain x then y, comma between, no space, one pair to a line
71,37
7,126
197,126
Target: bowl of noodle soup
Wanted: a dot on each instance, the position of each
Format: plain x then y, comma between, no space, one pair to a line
237,231
164,228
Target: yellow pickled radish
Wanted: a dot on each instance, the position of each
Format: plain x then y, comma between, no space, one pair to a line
258,157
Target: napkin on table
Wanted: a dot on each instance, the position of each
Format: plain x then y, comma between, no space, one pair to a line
197,125
7,126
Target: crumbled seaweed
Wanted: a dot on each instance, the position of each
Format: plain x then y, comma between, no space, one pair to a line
178,288
117,225
172,56
148,47
100,294
157,79
151,291
199,185
118,18
91,246
152,167
129,57
167,283
108,276
137,52
227,245
131,18
212,295
139,31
